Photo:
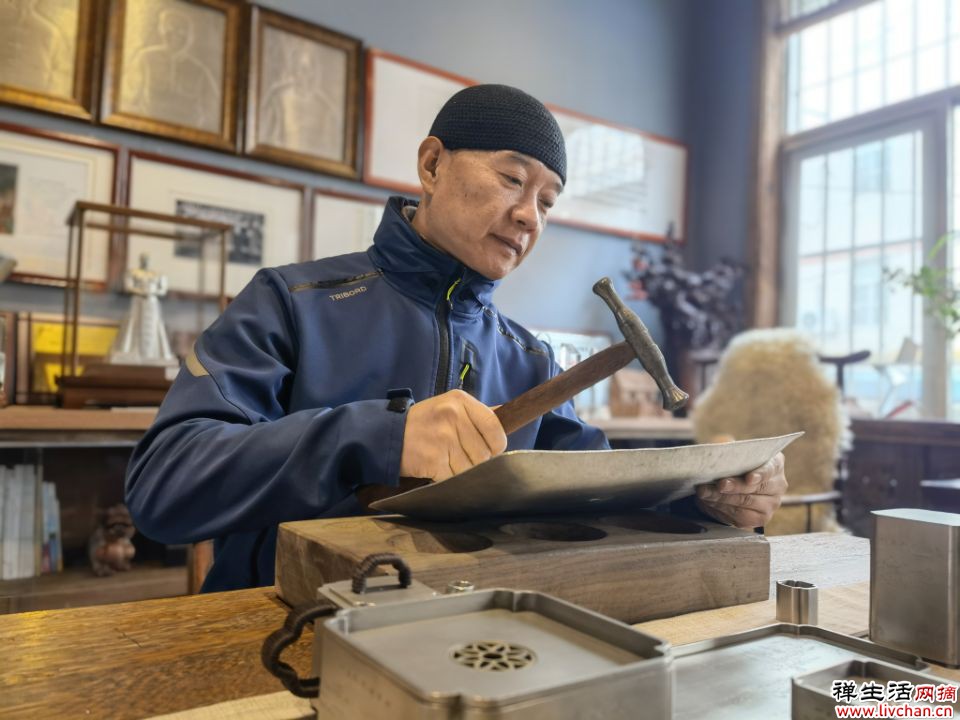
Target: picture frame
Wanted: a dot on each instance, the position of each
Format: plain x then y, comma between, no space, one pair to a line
47,56
268,216
343,222
159,79
303,94
642,199
39,348
8,356
403,98
42,175
621,181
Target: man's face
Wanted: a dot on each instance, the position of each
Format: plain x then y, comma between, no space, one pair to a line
487,209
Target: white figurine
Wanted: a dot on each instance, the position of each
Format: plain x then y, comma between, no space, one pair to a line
142,339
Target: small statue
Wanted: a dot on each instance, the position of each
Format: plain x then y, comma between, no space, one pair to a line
109,548
142,339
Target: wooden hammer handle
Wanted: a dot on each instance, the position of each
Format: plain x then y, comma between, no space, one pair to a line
557,390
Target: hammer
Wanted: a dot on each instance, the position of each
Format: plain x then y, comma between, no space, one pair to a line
557,390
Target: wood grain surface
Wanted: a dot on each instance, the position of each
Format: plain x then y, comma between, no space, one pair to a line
631,568
142,659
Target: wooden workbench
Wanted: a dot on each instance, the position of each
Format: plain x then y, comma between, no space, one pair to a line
138,660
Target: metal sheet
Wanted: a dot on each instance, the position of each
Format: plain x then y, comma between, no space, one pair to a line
525,482
749,675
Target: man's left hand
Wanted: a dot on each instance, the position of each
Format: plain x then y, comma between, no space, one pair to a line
748,501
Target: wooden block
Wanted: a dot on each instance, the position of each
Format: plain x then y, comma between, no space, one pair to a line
632,568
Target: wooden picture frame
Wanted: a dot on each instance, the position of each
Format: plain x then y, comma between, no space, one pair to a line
343,222
47,56
159,79
42,175
269,217
403,98
642,201
621,181
303,94
8,357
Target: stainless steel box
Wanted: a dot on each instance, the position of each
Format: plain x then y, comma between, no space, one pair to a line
915,583
489,654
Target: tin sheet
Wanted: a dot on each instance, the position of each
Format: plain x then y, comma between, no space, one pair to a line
526,482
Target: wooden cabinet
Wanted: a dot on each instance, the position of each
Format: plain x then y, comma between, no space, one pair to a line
85,453
888,461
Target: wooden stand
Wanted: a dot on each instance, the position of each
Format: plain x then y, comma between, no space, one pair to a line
105,384
632,568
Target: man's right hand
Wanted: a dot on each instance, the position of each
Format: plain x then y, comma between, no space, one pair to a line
448,434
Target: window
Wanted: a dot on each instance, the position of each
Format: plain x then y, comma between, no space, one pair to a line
870,109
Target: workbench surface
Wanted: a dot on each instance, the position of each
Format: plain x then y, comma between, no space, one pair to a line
136,660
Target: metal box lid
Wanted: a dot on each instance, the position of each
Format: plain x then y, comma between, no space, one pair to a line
495,647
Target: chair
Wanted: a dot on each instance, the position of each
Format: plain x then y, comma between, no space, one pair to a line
770,382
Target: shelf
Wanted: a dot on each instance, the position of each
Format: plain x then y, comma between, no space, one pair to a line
79,587
32,426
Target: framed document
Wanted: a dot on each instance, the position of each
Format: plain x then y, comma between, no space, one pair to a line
42,175
267,215
46,55
403,98
171,69
621,181
343,223
303,94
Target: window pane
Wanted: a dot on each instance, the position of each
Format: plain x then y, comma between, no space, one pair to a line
865,304
898,196
836,312
810,232
931,69
868,193
810,296
839,199
898,302
890,50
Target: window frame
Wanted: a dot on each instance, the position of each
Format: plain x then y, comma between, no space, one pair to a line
772,294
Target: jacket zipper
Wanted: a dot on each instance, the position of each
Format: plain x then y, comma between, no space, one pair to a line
443,366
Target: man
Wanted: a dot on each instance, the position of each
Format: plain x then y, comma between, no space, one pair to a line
300,397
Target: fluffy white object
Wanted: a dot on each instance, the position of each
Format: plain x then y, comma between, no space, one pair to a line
770,382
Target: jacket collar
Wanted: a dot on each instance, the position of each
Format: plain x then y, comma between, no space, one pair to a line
420,270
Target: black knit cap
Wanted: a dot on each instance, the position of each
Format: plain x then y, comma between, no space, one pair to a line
500,117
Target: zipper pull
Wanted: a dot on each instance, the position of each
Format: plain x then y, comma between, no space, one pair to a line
463,374
451,289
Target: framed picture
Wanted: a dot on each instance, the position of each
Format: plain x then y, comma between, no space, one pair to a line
621,181
171,69
303,94
46,55
267,215
343,223
42,175
403,98
39,346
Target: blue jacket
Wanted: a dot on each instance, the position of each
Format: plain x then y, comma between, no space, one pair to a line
280,412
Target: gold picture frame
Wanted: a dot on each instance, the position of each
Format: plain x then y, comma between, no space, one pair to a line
160,78
303,94
47,55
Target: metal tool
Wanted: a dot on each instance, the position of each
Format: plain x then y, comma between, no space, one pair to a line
812,698
637,345
915,583
796,602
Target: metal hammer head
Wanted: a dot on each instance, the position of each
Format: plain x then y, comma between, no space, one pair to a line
638,337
